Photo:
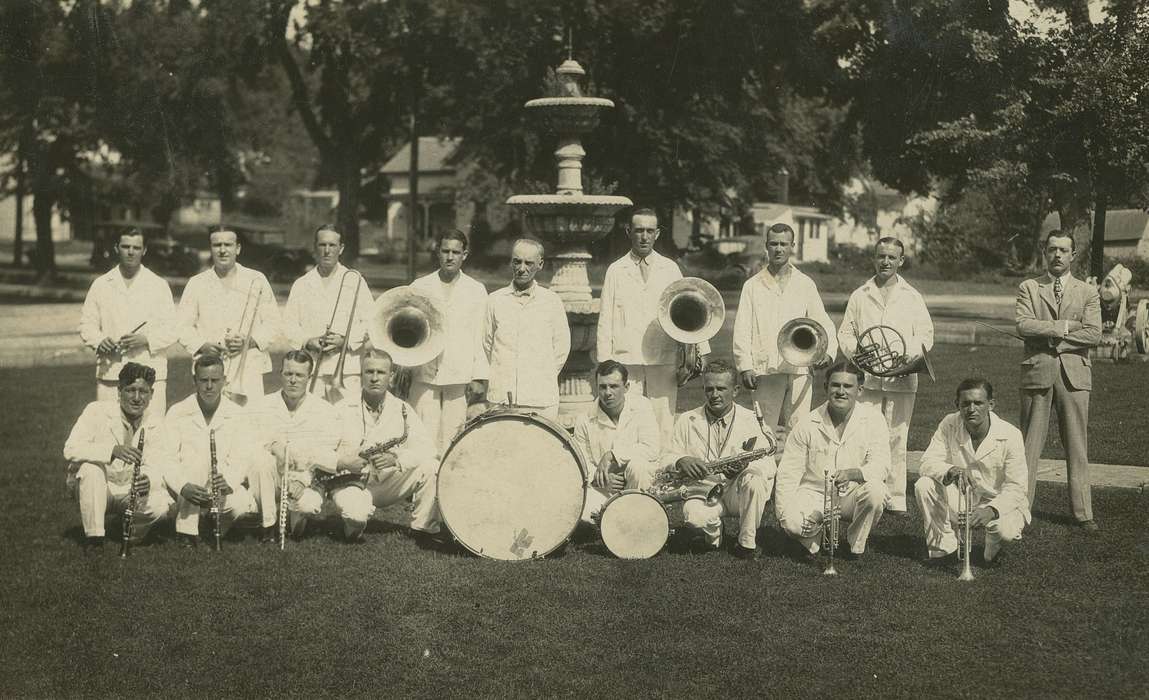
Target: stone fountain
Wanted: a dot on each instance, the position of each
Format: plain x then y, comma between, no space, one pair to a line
566,222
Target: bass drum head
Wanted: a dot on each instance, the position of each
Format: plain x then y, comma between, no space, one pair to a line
634,525
511,486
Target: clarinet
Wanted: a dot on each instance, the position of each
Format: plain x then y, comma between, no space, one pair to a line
133,498
214,511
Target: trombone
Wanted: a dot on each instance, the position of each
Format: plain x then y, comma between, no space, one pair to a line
234,376
337,383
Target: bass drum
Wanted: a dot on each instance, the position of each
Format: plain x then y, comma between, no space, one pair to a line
511,486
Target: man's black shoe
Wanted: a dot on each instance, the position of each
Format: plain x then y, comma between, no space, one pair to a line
93,543
745,552
269,535
1089,526
187,541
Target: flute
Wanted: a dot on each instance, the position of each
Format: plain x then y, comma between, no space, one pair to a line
133,498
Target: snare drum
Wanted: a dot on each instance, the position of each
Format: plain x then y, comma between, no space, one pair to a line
634,525
511,486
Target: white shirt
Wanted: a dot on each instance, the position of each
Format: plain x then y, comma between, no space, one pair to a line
997,468
101,427
695,435
312,430
634,438
308,311
526,339
903,309
814,447
186,447
211,307
764,308
628,327
361,429
464,301
114,308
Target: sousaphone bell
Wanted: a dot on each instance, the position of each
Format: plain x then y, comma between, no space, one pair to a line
802,341
691,311
408,325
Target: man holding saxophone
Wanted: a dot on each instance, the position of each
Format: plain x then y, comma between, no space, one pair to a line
888,300
385,455
229,310
848,441
973,443
719,429
323,304
777,294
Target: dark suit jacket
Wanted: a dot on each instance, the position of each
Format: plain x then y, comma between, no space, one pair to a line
1039,323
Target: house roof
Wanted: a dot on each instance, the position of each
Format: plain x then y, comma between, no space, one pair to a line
433,154
1120,224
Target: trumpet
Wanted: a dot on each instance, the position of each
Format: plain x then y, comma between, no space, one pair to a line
337,382
882,352
965,531
831,520
234,378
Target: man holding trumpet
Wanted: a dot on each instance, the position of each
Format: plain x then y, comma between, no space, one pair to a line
229,310
887,300
973,443
323,304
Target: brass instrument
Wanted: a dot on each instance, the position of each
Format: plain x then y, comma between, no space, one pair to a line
965,532
133,498
691,311
234,377
324,482
882,352
408,325
802,342
669,484
831,520
337,384
216,496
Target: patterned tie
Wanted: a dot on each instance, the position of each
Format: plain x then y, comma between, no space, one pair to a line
1057,290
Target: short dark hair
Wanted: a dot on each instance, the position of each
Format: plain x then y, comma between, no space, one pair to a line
131,371
970,383
220,228
132,232
721,367
453,235
844,366
642,211
609,367
299,357
890,240
378,354
205,361
781,228
326,227
1058,233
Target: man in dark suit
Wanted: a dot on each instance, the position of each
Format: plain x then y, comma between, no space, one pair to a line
1060,319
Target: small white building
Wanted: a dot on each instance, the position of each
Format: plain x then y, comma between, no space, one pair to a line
891,210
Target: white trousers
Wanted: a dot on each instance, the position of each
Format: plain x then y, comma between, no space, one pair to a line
96,496
236,505
939,507
353,504
109,390
419,485
898,409
443,409
659,384
639,475
325,388
746,496
862,506
783,397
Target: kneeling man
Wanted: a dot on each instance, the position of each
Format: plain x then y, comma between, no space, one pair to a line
718,429
974,443
618,438
386,455
102,450
852,443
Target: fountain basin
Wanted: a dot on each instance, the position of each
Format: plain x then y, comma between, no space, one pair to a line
569,218
570,115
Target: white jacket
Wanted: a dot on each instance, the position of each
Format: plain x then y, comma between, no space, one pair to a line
186,445
211,307
905,312
635,438
113,308
308,311
360,430
526,339
763,309
464,302
101,427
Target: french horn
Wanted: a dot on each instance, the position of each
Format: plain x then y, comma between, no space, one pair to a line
881,351
802,341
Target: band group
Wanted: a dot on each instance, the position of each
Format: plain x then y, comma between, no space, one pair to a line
337,436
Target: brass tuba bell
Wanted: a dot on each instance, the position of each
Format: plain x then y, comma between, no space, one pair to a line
801,341
408,325
691,311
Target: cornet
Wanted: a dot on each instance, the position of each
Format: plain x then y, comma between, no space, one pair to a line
831,520
965,532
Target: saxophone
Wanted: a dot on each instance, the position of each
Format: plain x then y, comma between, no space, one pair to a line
326,481
670,485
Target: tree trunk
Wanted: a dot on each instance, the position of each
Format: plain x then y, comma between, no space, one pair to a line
1097,242
18,234
347,215
42,203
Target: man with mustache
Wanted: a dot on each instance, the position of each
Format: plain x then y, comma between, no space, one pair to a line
102,450
852,443
318,307
973,444
1059,317
887,299
721,428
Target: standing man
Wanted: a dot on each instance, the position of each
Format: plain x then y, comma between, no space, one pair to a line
438,388
887,299
619,438
188,431
220,307
779,293
318,307
718,429
851,442
102,450
1060,319
525,336
383,436
628,327
128,315
973,443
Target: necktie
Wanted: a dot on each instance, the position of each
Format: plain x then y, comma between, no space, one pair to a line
644,268
1057,290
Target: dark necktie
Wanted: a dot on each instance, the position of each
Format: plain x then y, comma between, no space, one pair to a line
1058,290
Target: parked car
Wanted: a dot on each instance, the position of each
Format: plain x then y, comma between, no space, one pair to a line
165,255
733,259
279,263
